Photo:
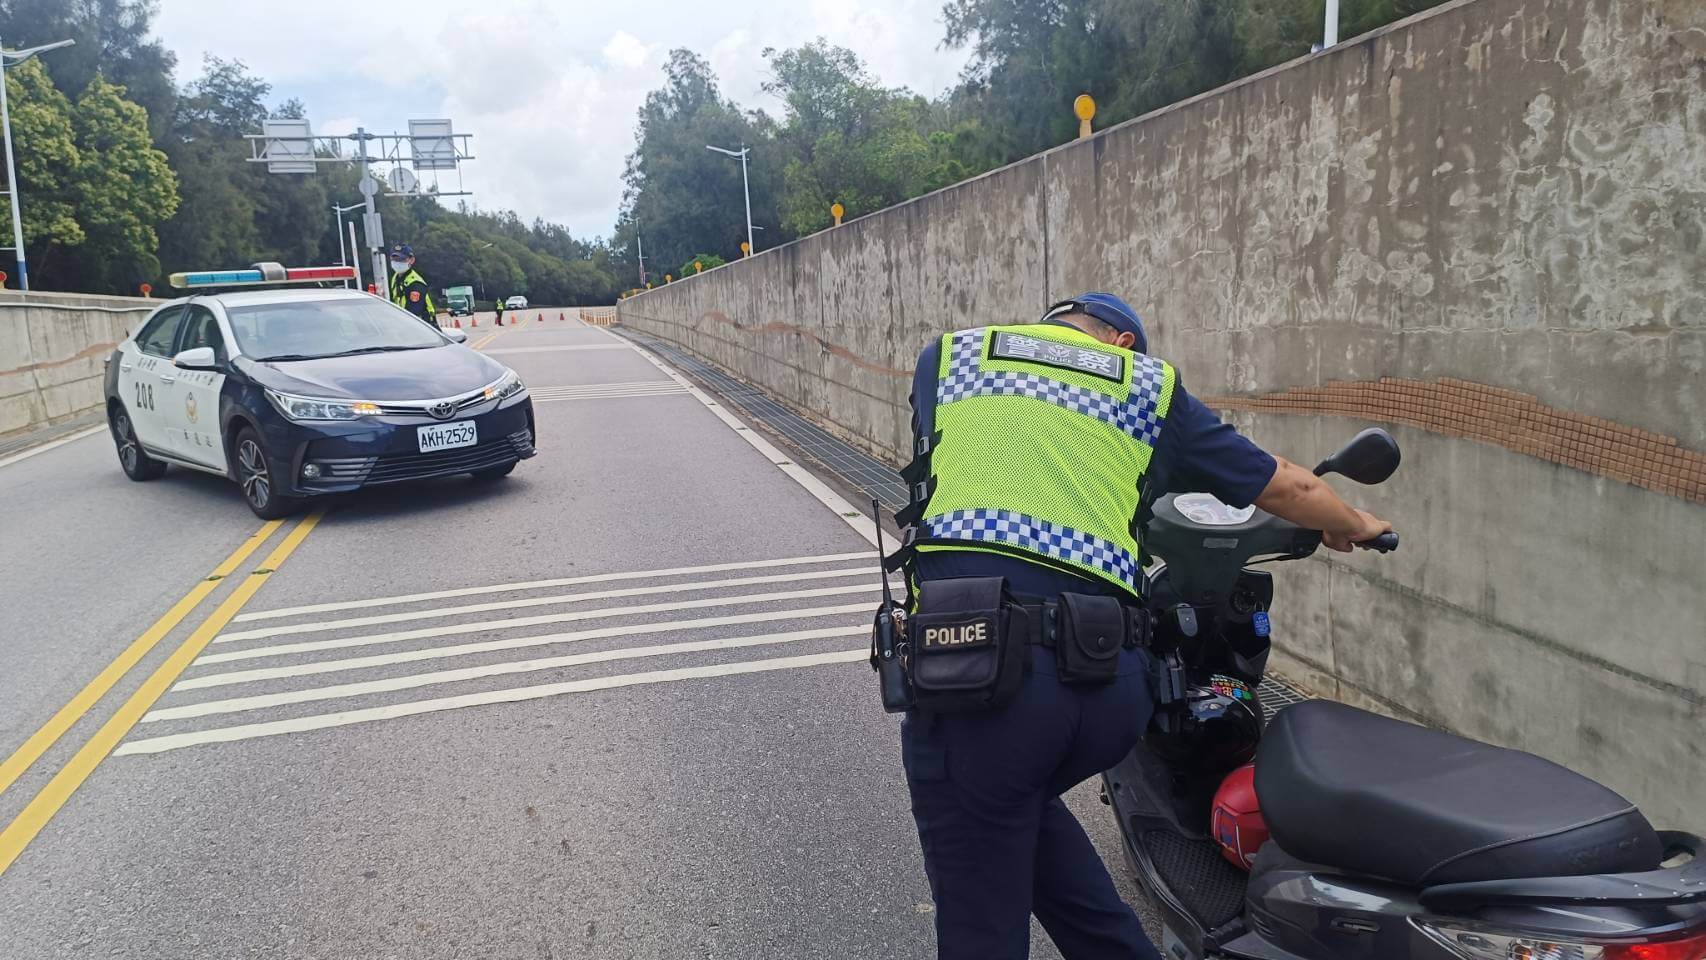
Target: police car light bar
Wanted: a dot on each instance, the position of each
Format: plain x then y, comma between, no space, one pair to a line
260,273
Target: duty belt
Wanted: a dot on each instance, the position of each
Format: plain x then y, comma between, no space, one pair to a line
1044,617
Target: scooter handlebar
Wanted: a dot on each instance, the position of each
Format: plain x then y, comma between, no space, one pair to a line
1385,543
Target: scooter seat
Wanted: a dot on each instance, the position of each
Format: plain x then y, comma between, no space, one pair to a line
1346,788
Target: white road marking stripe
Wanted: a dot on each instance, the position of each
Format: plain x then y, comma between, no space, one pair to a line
663,387
861,524
490,626
613,396
542,584
323,721
575,388
55,444
390,684
379,618
554,349
512,643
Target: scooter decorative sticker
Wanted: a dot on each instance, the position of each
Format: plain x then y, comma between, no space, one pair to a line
1230,687
1259,623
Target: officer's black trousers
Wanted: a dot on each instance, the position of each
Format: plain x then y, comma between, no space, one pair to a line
999,845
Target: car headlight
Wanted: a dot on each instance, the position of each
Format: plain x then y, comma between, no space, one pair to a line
317,408
505,387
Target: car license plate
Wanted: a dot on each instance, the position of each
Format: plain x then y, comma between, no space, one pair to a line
446,436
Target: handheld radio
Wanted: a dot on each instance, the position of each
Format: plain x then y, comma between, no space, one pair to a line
888,636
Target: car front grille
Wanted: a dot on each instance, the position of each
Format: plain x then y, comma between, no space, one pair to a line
397,467
419,409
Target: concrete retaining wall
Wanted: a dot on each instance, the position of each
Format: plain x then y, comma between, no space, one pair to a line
1485,226
52,346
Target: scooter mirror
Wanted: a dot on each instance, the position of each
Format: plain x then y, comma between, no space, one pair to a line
1370,457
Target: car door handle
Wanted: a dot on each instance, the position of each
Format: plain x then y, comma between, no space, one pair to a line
166,379
126,366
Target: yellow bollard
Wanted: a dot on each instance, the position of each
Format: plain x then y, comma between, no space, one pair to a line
1085,108
745,249
836,210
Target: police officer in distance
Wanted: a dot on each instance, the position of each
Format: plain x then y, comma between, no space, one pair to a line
408,289
1037,446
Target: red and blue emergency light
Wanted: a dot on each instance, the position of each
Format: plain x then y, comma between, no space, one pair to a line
260,273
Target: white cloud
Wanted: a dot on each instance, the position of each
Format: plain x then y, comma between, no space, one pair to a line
549,89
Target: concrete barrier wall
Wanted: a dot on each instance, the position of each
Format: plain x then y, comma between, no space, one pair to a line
1485,227
52,348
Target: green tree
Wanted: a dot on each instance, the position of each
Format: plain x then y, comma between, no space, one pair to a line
704,260
125,189
48,163
686,197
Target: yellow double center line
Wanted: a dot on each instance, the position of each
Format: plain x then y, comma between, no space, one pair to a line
18,834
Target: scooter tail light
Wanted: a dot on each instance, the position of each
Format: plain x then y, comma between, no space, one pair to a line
1481,943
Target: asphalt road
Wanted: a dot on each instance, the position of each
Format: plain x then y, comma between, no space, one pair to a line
614,706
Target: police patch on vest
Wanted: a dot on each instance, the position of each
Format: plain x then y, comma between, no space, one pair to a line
1017,346
957,634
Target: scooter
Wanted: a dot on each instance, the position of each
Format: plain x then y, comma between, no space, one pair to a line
1387,840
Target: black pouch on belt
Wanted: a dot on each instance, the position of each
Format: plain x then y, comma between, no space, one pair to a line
1092,631
968,644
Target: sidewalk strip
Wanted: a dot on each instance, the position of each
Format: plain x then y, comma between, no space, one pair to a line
511,643
68,715
561,598
323,721
412,681
52,797
560,582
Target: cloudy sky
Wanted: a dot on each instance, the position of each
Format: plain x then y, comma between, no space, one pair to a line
548,89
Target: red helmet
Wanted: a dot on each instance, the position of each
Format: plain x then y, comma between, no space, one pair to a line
1237,823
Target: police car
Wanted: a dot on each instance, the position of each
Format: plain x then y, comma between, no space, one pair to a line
297,393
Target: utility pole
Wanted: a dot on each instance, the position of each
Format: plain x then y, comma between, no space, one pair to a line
371,226
1330,28
638,243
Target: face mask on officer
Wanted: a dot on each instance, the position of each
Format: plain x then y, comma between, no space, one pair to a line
399,265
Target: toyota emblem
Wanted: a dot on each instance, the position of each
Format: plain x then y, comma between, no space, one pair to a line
443,410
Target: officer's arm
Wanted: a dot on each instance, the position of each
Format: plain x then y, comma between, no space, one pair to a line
1303,498
924,390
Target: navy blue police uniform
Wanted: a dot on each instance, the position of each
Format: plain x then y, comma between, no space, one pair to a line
999,843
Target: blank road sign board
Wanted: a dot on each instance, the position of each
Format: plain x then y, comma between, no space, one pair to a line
433,144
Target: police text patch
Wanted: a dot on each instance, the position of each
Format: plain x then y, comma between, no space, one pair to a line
936,634
1017,346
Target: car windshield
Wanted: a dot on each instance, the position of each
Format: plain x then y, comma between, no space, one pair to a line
311,329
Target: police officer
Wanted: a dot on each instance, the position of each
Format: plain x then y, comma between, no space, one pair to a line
1038,445
499,306
408,290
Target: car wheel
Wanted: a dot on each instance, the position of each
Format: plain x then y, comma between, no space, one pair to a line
255,475
137,464
495,473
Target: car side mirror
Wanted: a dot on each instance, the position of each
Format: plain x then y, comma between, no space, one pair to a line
460,336
196,358
1370,457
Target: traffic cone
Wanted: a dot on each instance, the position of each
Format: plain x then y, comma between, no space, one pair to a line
458,322
539,318
473,319
561,317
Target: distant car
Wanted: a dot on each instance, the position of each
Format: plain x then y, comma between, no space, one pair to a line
515,303
305,392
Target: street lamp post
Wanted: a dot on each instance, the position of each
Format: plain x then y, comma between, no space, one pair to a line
746,187
1330,25
13,58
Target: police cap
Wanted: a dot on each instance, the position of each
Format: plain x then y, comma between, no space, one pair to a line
1109,309
401,251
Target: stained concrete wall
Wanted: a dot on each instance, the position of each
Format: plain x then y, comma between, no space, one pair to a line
52,346
1511,192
